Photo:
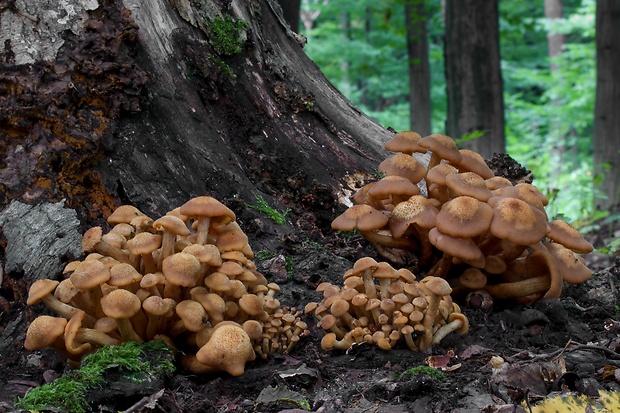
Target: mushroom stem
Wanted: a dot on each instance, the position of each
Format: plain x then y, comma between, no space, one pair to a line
88,335
523,288
65,310
202,230
447,329
127,331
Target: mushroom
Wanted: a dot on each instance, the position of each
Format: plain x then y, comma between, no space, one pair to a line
405,142
403,165
436,178
47,331
457,322
464,217
41,291
122,305
564,233
125,276
462,248
438,288
92,241
181,271
442,147
124,214
88,277
159,311
79,340
473,162
204,209
171,226
143,245
468,183
418,212
228,349
393,187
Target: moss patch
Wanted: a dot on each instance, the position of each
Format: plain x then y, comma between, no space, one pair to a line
137,362
225,35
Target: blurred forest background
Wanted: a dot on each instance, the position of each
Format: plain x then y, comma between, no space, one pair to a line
405,63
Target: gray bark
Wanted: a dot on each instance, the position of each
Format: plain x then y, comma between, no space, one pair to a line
607,104
41,239
473,75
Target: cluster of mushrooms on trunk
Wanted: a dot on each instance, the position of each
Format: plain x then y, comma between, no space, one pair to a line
188,278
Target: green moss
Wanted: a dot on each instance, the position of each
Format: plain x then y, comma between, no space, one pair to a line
225,35
263,206
138,362
431,372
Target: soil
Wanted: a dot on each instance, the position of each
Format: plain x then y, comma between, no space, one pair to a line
563,345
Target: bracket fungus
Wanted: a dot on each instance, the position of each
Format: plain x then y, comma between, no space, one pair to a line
475,220
186,278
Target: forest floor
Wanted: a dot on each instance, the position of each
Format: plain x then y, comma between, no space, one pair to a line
554,346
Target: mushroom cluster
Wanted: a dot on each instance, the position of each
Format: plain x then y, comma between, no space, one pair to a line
186,278
476,230
380,305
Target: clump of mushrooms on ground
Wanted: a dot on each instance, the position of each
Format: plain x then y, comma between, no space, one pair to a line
187,278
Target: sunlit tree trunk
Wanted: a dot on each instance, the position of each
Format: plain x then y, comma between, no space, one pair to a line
419,70
473,75
607,110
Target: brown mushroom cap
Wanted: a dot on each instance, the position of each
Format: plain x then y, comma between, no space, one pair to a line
517,221
443,147
468,183
228,349
464,217
569,264
417,210
463,248
92,241
497,182
564,233
143,245
473,279
124,275
120,304
193,315
181,269
124,214
403,165
43,331
394,186
363,217
472,161
405,142
205,209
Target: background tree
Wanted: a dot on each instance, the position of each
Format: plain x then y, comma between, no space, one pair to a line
420,105
291,13
606,118
473,75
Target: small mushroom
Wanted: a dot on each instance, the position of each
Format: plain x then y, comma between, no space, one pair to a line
228,349
122,305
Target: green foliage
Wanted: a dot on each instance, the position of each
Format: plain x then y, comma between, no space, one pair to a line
225,35
138,361
431,372
361,47
263,206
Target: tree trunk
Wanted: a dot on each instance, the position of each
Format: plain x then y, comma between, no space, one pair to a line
154,102
419,68
473,75
606,119
555,41
290,11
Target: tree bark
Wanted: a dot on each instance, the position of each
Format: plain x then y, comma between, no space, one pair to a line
607,104
290,11
419,67
555,41
473,75
152,102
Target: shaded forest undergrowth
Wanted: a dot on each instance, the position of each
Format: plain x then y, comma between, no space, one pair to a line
511,353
